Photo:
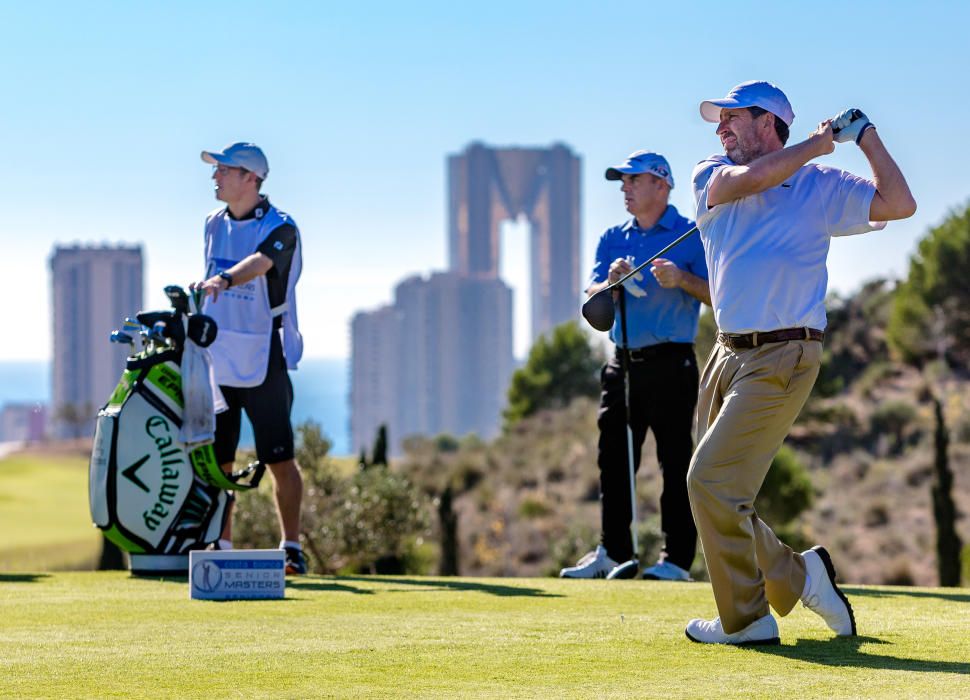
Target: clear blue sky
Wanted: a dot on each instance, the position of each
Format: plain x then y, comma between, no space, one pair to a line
108,105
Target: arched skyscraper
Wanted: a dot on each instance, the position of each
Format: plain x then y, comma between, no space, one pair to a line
489,185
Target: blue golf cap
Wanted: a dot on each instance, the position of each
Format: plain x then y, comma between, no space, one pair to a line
248,156
754,93
641,162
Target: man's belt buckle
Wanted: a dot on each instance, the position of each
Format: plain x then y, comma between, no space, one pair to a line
636,355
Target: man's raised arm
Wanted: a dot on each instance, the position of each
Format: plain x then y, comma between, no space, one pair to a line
736,181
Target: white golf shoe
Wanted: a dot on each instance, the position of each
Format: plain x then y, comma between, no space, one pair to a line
823,597
665,571
595,564
764,630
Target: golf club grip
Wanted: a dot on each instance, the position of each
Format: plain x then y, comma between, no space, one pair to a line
854,117
656,255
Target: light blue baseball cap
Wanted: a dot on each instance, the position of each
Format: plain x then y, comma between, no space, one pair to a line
753,93
248,156
640,162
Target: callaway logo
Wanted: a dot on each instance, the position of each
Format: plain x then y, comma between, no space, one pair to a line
171,454
278,245
129,473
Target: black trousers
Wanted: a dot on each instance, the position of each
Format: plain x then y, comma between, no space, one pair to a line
663,395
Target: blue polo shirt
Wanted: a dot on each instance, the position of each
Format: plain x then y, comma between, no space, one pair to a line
664,315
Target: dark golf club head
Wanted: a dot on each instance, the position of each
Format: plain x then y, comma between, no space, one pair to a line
121,337
158,331
202,330
599,310
179,299
628,569
150,318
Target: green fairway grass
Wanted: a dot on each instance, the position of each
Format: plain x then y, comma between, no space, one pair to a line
109,635
44,517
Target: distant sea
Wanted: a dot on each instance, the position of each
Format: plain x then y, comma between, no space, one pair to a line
321,393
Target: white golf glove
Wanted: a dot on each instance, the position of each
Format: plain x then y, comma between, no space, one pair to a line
850,125
631,284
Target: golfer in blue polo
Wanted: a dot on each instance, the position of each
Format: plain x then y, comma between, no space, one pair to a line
661,315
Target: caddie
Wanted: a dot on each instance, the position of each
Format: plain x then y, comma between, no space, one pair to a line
766,214
253,262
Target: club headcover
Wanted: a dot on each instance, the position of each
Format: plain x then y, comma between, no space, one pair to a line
202,330
599,311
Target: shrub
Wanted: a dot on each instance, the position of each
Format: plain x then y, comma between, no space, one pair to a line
891,419
373,520
532,507
786,491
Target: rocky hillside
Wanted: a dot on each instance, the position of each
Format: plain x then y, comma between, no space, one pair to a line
528,502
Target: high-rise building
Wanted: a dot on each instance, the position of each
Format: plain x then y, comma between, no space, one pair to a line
93,289
23,422
437,361
373,374
489,185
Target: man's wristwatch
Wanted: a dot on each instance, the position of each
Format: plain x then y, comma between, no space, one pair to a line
227,277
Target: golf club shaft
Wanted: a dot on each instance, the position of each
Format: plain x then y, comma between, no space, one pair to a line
680,239
625,355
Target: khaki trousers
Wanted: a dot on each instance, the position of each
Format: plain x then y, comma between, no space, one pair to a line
748,401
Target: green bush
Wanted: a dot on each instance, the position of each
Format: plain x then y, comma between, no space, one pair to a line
532,507
892,417
786,491
932,308
374,520
875,374
558,369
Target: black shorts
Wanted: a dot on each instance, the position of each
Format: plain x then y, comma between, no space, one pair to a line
268,408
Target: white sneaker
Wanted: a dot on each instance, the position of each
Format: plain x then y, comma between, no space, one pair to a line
596,564
665,571
823,597
764,630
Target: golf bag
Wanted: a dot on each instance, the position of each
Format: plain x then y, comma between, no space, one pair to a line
151,494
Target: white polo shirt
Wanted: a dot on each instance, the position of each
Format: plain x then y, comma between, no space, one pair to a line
766,252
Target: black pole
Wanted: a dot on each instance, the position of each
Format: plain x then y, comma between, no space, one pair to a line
625,360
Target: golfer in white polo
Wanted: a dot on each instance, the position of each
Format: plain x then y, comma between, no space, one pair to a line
766,215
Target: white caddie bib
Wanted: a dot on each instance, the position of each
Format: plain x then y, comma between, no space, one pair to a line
240,353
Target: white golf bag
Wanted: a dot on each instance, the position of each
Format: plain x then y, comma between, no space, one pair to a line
152,495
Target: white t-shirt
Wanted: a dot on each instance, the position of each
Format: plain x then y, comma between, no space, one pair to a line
766,252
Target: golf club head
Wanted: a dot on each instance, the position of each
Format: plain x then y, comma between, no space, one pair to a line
599,310
121,337
179,299
628,569
202,330
150,318
158,331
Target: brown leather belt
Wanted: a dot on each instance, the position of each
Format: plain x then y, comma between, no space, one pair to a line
745,341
